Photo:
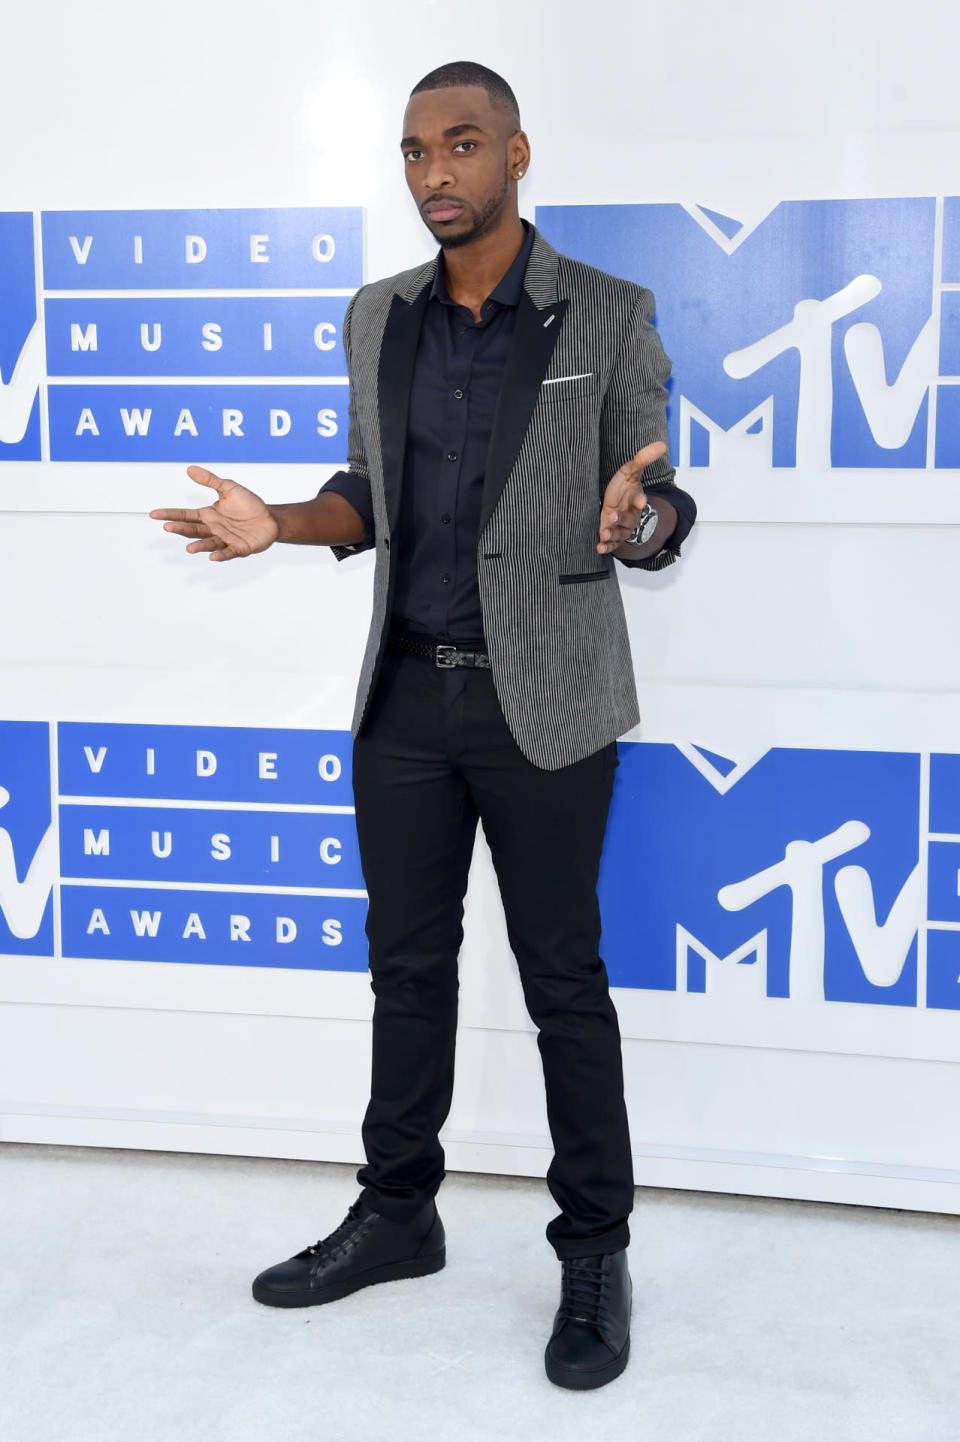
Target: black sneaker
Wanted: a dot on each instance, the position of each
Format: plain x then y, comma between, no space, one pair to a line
590,1342
364,1249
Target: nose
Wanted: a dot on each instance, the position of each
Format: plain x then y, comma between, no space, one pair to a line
437,174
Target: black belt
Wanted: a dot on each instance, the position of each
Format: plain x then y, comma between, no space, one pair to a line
441,655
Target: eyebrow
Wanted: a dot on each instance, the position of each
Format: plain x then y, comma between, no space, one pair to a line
450,131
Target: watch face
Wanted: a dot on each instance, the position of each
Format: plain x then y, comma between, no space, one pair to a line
648,526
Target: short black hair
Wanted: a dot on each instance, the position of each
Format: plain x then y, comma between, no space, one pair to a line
468,72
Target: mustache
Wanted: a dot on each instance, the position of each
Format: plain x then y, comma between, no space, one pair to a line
442,200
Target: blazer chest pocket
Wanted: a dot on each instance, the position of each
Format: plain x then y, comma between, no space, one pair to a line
558,389
575,577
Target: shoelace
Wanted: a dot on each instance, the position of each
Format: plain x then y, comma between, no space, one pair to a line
343,1237
583,1286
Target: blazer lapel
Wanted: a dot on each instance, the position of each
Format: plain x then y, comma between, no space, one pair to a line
539,318
398,352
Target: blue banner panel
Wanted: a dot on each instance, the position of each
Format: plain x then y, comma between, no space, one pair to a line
21,369
943,969
947,442
205,763
945,794
215,928
28,855
950,333
186,336
771,316
951,241
782,871
210,424
262,249
202,845
943,895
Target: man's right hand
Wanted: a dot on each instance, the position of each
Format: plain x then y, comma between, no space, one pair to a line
238,523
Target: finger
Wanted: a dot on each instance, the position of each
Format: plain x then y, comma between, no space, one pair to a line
645,456
225,553
187,528
611,517
616,534
210,543
174,515
204,477
622,500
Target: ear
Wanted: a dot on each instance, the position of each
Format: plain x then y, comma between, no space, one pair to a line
518,153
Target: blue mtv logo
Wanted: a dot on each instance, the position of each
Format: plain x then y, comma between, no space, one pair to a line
28,849
21,366
796,876
817,338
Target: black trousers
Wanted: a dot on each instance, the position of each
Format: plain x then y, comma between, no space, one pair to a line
435,755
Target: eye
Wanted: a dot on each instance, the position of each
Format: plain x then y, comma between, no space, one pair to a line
412,154
465,142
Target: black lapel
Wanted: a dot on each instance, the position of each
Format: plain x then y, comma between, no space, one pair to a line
534,337
398,351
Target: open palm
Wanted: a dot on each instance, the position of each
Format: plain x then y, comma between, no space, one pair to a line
238,523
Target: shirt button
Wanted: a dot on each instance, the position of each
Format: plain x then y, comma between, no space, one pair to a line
458,395
445,518
445,580
451,455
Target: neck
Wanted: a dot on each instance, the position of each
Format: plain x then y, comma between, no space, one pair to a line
473,270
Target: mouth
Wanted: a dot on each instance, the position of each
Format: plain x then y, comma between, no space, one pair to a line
442,209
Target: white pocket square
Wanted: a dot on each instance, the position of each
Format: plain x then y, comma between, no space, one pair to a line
555,380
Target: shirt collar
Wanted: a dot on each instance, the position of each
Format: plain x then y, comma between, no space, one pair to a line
508,288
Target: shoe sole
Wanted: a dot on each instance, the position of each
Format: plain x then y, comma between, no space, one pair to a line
579,1381
314,1296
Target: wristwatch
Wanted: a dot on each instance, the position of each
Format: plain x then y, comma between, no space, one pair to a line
646,525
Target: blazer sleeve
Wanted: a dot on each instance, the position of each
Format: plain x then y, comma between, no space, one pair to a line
635,413
354,482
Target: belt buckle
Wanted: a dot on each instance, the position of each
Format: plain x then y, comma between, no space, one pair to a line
442,661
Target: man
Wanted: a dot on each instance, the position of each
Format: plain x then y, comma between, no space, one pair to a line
507,420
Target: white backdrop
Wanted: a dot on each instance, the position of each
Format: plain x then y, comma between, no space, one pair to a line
818,617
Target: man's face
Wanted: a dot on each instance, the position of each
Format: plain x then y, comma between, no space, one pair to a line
456,153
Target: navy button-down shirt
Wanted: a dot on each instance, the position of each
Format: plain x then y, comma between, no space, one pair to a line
453,395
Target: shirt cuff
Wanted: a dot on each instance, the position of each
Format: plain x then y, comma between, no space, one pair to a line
356,490
686,510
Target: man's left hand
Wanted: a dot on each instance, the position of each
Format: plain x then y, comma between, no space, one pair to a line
624,498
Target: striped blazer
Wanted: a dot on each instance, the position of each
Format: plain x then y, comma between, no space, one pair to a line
583,389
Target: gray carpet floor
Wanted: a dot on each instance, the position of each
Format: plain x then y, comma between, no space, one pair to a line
125,1313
